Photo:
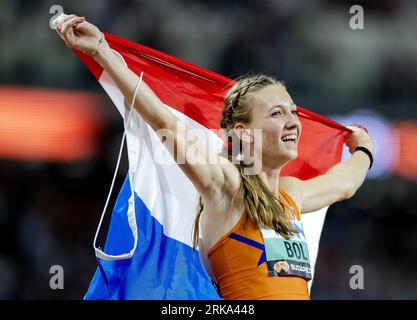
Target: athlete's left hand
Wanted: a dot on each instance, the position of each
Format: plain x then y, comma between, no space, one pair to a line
358,138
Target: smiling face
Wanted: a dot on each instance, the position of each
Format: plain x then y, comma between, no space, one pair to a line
274,112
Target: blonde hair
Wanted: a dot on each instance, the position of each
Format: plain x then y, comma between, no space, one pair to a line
260,205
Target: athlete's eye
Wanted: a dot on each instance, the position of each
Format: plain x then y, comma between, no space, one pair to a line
276,113
294,112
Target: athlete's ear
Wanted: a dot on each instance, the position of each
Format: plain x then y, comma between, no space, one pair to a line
243,133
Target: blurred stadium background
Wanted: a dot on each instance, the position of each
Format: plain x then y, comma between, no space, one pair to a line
60,134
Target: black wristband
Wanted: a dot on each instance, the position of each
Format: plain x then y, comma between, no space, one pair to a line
367,152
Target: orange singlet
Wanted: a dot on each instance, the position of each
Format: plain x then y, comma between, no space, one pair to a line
239,265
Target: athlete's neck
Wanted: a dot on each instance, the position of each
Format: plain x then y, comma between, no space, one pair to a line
270,176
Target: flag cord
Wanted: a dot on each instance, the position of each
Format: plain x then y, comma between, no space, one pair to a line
98,251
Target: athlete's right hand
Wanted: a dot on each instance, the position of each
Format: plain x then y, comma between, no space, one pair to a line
78,33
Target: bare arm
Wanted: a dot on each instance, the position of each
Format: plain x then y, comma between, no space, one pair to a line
210,180
340,182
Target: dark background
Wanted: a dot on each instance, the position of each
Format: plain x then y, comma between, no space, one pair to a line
49,210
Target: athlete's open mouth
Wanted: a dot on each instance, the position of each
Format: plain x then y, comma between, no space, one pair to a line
289,138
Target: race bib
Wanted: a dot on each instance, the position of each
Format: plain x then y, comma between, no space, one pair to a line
287,257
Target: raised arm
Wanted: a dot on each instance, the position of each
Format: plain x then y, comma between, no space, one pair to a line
340,182
211,180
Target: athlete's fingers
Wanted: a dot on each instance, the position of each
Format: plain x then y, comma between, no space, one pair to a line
69,37
60,34
69,24
83,26
352,127
63,18
362,127
357,127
